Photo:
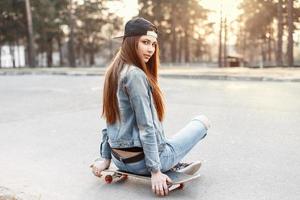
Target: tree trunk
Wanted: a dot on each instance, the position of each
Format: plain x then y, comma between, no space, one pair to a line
279,61
199,53
252,45
186,46
49,52
71,51
225,43
290,47
111,51
261,55
162,50
0,56
264,53
173,26
92,58
85,63
269,45
244,45
81,56
180,49
209,56
19,53
220,41
61,61
12,54
31,53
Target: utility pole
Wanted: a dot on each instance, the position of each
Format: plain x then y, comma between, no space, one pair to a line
31,54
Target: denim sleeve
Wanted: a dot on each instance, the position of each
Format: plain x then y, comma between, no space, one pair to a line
105,150
138,90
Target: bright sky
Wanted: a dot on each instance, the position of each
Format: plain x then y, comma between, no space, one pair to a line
229,7
125,8
129,8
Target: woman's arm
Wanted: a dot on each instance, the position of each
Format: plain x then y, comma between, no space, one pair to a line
105,150
137,88
139,93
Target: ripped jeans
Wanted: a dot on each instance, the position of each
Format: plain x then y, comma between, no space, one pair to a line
175,150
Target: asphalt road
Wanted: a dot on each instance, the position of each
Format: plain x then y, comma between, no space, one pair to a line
50,132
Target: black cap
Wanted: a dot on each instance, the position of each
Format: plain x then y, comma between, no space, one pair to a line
139,26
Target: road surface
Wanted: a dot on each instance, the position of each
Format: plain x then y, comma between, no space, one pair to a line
50,132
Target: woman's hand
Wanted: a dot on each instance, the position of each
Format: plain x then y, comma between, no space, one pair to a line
159,183
99,165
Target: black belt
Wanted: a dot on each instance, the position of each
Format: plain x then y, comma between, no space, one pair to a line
131,149
132,159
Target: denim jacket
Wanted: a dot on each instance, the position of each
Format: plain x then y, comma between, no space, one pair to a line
138,125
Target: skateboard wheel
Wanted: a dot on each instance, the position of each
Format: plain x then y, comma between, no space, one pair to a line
108,179
123,177
181,186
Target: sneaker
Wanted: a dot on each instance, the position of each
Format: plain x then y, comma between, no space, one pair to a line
187,168
179,166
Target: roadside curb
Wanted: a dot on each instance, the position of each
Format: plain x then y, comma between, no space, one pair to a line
212,74
230,78
16,73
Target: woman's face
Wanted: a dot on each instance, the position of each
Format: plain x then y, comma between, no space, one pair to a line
146,47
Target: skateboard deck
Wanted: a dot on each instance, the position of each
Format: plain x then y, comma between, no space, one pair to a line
178,178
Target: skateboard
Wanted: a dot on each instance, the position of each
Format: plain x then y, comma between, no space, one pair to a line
178,178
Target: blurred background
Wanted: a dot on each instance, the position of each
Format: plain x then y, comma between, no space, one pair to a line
216,33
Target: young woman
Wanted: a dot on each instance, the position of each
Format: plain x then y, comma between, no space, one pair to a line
134,110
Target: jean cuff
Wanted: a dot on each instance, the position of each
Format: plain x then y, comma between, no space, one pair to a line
106,155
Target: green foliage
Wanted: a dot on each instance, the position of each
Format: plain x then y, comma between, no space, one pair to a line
92,19
48,17
177,19
257,16
52,22
12,21
94,26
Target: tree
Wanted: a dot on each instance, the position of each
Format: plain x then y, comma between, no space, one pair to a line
173,31
220,50
177,22
31,54
12,25
71,50
94,25
157,12
290,46
48,17
258,16
86,26
225,43
279,61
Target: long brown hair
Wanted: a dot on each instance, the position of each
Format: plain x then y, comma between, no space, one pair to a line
128,55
